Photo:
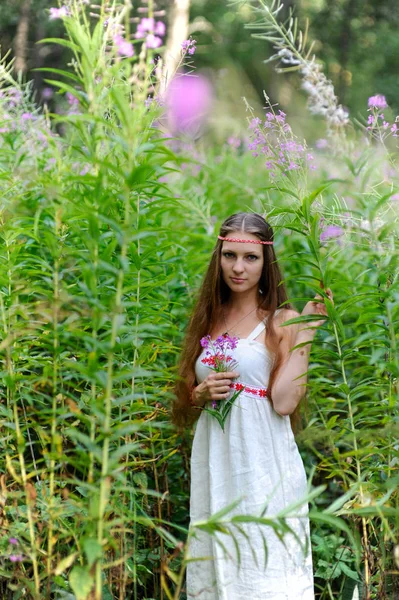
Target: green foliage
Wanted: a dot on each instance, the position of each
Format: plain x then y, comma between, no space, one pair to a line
105,231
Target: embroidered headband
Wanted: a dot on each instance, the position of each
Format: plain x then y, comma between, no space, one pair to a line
228,239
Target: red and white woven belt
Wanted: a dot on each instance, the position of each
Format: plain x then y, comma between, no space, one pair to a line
251,389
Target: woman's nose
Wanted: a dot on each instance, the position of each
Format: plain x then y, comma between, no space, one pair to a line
238,267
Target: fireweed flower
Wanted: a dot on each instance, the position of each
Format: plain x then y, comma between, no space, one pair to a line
13,541
331,231
16,558
378,101
377,125
234,142
218,359
189,46
188,103
151,31
205,341
153,41
216,355
321,144
124,47
72,100
146,24
59,13
160,28
274,140
11,96
27,116
47,93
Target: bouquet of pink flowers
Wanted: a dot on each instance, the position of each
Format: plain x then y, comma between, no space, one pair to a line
218,359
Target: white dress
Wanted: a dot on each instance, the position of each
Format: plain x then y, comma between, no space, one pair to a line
257,459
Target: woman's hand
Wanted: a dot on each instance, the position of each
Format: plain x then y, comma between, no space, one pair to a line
316,307
215,387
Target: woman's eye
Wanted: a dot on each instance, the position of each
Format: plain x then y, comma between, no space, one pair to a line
228,254
252,257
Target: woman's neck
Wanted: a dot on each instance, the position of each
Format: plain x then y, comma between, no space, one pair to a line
242,302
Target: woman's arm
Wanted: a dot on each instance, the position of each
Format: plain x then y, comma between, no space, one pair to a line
290,384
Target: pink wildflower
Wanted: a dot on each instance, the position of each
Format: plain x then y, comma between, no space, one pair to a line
378,101
59,13
234,142
16,558
146,24
124,47
72,100
331,231
160,28
189,46
205,341
321,143
189,101
153,41
255,123
47,93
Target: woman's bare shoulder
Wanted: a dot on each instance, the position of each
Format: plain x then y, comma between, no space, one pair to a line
285,314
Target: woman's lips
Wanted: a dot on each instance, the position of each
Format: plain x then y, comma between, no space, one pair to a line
237,279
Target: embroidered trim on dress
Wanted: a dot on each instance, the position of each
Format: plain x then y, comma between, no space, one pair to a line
251,389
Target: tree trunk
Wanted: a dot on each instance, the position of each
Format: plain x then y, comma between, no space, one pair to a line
177,33
21,38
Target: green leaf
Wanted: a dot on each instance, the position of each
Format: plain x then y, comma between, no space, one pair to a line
308,200
66,74
349,572
81,582
92,550
60,42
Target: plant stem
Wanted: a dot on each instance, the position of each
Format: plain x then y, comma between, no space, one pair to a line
54,436
358,467
105,479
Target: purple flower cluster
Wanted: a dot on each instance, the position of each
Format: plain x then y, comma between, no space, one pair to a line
189,46
59,13
216,356
124,47
378,101
152,31
11,96
188,101
376,122
274,139
321,143
331,231
221,344
234,142
15,557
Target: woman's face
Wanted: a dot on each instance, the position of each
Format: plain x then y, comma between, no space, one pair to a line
241,263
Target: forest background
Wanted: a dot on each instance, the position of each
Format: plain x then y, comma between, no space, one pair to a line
112,190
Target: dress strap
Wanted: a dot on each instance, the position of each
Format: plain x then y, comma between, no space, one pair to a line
259,328
257,331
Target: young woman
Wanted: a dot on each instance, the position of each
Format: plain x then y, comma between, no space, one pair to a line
255,458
